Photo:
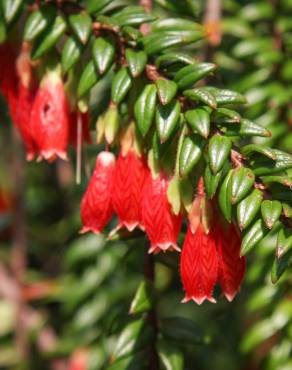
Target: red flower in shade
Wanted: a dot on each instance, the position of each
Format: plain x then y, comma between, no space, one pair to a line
129,179
96,204
73,128
199,265
231,265
50,118
79,360
161,225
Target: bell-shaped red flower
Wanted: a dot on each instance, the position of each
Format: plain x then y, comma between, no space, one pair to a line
96,204
161,224
231,264
130,175
199,265
50,118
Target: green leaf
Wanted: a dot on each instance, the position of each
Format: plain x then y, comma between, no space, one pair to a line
242,181
167,117
248,208
81,25
287,210
172,58
183,330
249,128
218,151
103,52
145,108
225,97
166,90
177,24
132,16
186,193
94,6
201,95
225,113
112,123
11,8
88,79
2,27
71,53
133,338
255,148
211,181
280,265
173,195
121,85
225,197
190,154
49,37
189,75
271,212
284,241
252,236
38,21
136,61
265,166
138,361
144,298
170,356
199,120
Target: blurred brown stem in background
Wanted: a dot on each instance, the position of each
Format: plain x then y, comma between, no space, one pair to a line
212,22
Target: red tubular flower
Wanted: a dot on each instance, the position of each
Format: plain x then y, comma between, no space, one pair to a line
231,265
96,204
199,265
50,118
129,179
79,359
161,225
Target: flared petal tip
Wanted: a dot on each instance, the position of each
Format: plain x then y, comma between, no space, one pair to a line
156,248
88,229
198,300
130,226
52,155
230,295
30,156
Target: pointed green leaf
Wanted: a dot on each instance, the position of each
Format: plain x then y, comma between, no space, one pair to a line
94,6
190,154
144,298
167,117
252,236
202,95
242,181
218,152
38,21
132,16
284,241
255,148
145,108
11,8
112,123
248,208
271,211
81,25
49,37
226,114
199,120
103,52
166,90
249,128
173,195
170,356
136,61
191,74
225,197
287,210
71,53
224,97
121,85
88,79
172,58
211,181
186,193
280,265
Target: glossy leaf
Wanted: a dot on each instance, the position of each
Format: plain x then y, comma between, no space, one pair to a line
38,21
132,16
103,52
248,208
211,181
145,108
190,154
225,197
172,58
121,85
94,6
189,75
173,195
136,61
143,299
218,152
49,38
225,97
71,53
170,356
252,236
280,265
88,79
166,90
199,121
81,25
201,95
167,117
241,183
271,211
11,8
284,241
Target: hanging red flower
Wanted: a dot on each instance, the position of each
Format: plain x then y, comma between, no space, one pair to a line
96,204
